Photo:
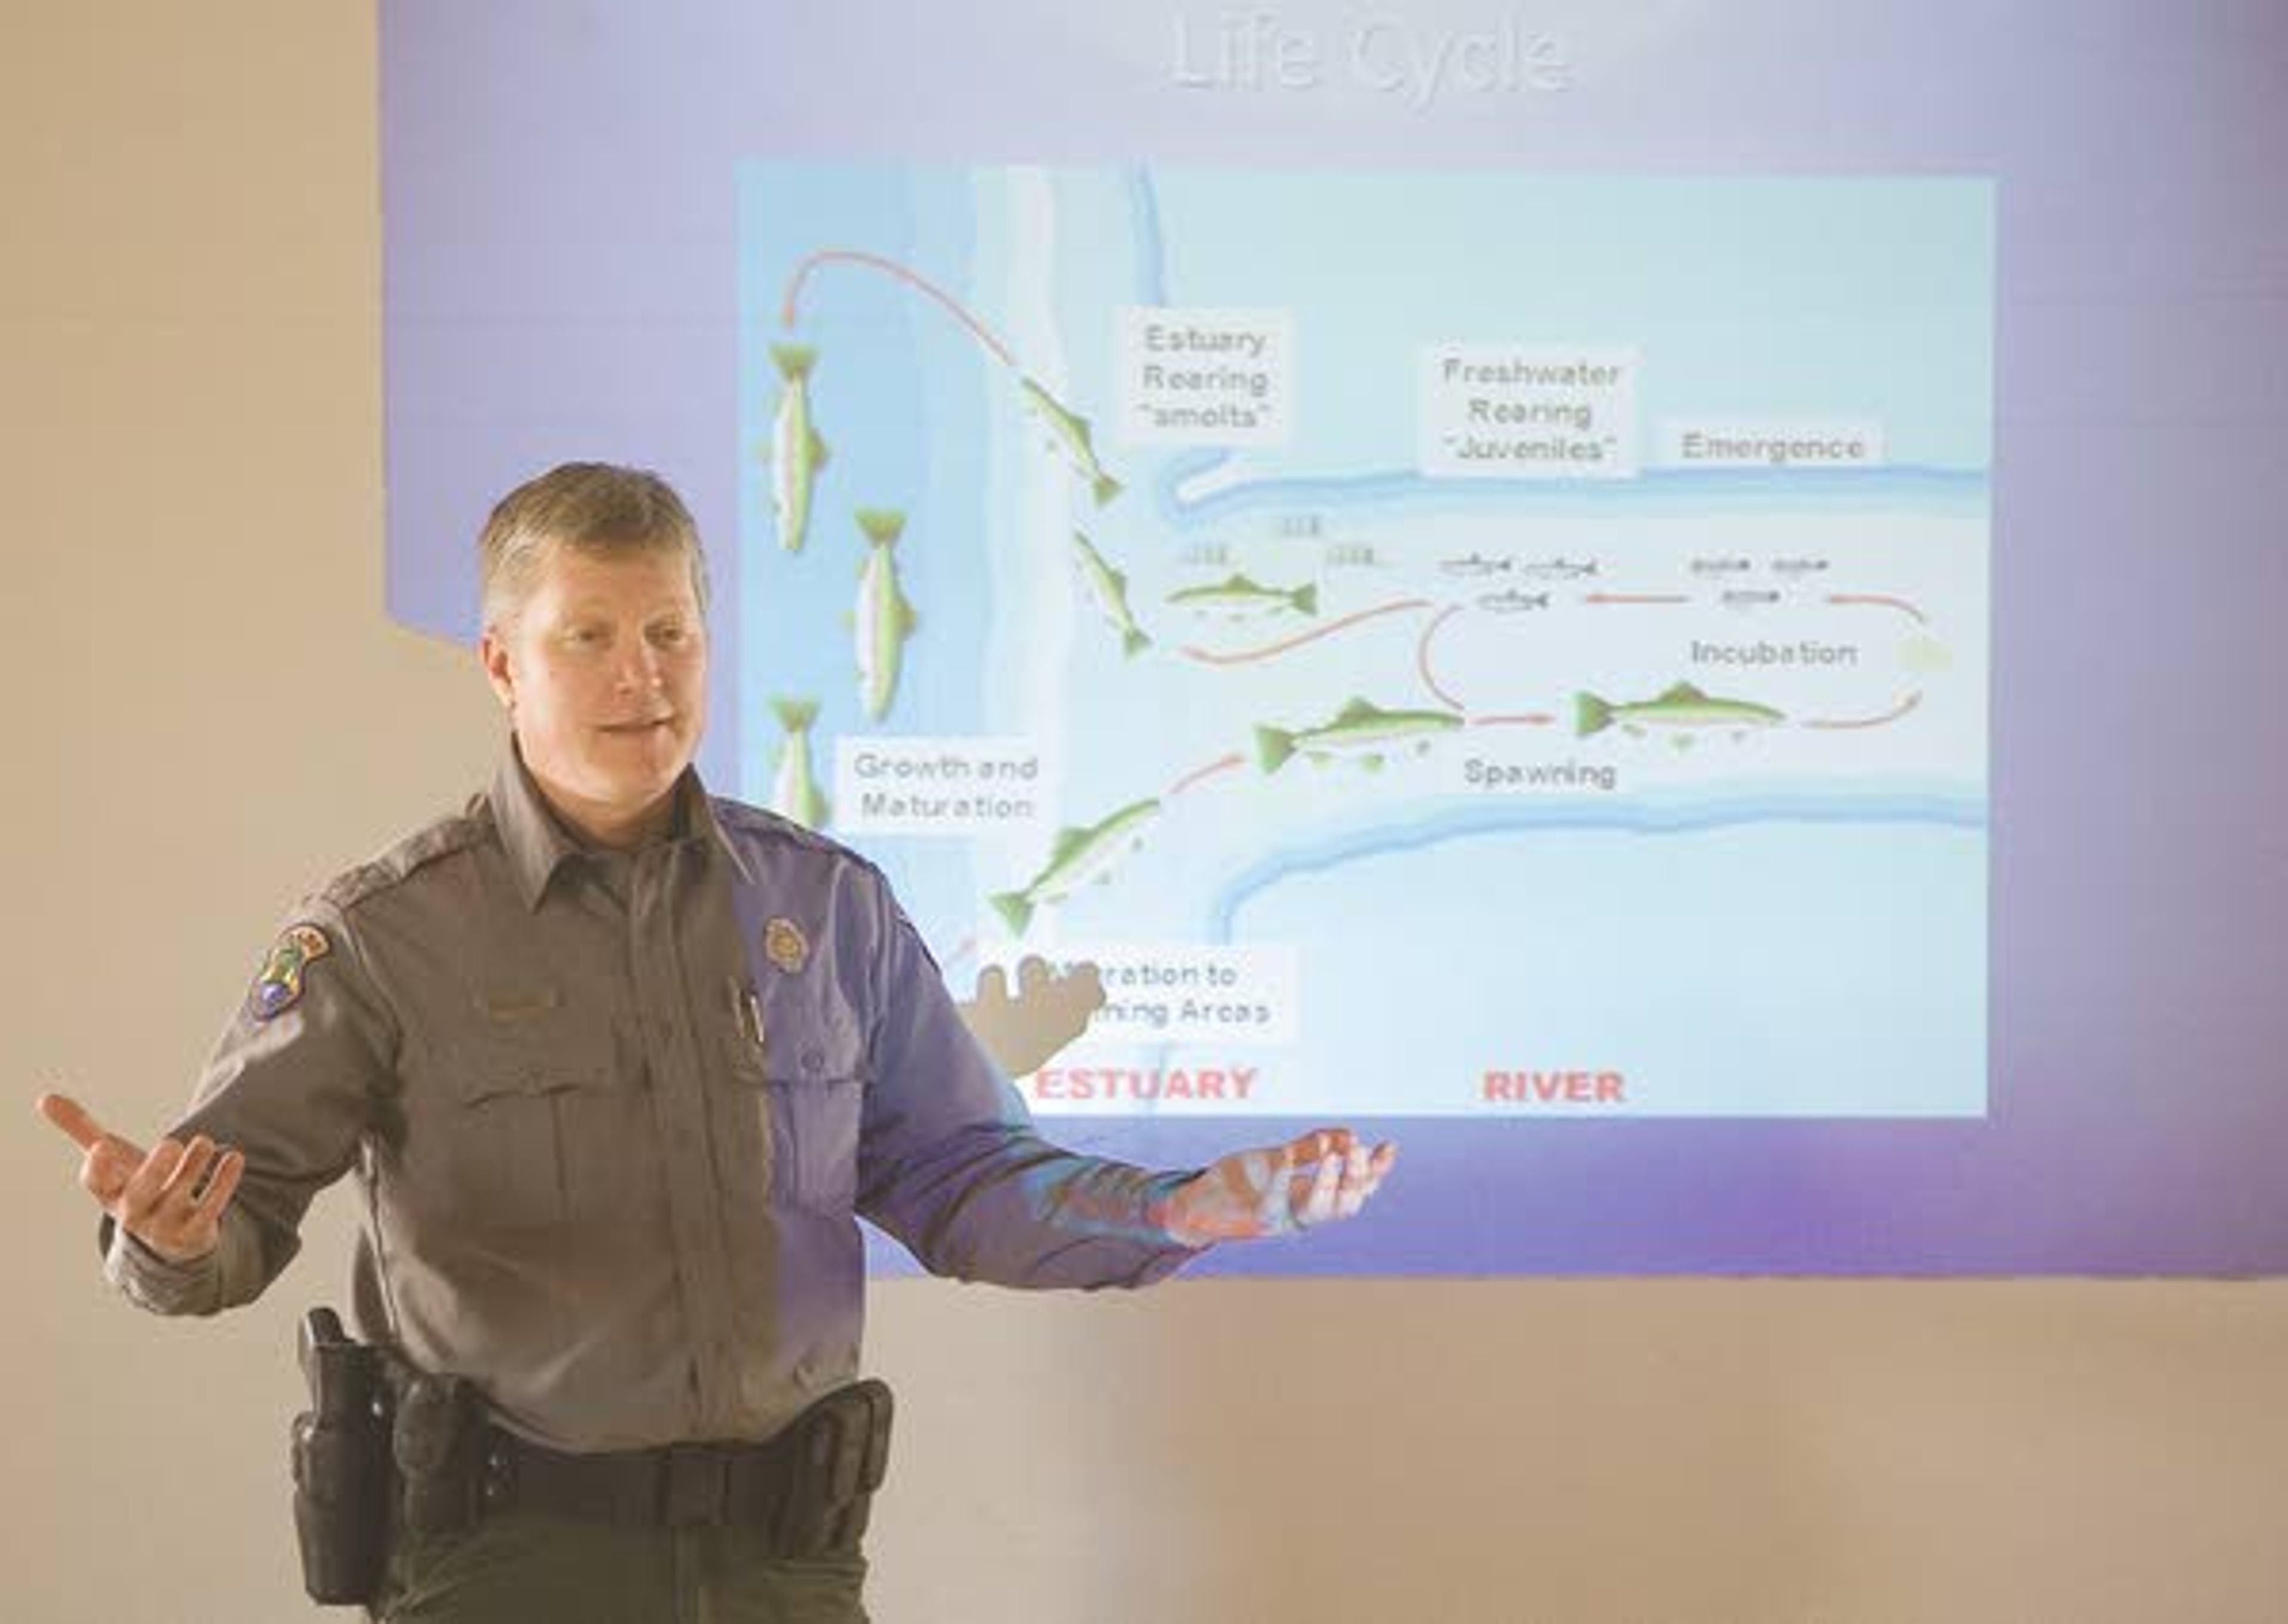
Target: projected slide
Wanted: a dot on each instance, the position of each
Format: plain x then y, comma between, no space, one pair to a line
1444,645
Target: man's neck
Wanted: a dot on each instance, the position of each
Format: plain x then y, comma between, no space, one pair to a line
600,828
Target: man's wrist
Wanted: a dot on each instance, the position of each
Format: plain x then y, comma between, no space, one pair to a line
1166,1214
153,1280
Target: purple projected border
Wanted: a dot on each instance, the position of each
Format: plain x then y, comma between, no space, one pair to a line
561,249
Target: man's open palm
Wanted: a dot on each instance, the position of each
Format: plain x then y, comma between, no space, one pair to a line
1322,1177
171,1198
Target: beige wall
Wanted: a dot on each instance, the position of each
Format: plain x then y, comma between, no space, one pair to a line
206,710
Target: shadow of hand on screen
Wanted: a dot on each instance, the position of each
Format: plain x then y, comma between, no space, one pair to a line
1050,1009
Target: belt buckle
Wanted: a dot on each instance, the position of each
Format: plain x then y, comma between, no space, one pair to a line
695,1489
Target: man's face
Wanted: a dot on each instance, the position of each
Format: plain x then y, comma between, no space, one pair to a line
604,672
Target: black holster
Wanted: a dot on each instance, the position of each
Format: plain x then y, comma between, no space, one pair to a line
341,1465
842,1444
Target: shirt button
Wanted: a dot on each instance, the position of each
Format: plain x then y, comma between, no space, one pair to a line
812,1059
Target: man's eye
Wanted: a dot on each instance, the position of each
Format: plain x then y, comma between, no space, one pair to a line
584,637
670,637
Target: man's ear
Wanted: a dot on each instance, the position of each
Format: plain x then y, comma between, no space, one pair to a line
492,654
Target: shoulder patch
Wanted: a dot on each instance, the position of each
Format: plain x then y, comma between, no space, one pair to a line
278,985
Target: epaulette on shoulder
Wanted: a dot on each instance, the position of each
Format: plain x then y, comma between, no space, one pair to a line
755,824
427,844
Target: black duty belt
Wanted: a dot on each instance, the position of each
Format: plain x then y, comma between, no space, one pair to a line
806,1491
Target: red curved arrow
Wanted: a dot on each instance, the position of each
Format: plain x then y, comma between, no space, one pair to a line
1900,604
1892,714
1422,658
912,278
1201,774
1208,656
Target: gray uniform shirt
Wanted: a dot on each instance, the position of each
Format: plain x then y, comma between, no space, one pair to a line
612,1116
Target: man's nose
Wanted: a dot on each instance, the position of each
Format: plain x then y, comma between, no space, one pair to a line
639,667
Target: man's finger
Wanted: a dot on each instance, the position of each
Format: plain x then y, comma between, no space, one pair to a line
1378,1169
105,1170
1032,974
142,1192
68,1114
1314,1194
220,1187
993,984
1358,1182
198,1156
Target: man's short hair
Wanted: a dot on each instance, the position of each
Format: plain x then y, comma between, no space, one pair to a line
594,508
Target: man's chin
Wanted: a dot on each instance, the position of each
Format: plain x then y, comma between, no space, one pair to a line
636,787
615,748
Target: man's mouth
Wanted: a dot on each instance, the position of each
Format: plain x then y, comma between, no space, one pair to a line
636,729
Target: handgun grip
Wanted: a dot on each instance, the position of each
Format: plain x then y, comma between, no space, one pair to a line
320,1327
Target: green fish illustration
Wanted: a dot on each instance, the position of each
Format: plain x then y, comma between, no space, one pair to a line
795,793
1079,856
1682,706
797,452
885,620
1240,598
1069,431
1358,728
1109,590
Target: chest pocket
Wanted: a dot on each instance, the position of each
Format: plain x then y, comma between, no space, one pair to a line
799,1050
534,1118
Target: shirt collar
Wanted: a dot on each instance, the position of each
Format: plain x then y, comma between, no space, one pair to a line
696,818
538,843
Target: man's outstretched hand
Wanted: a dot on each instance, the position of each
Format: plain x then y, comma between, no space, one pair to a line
1324,1176
171,1198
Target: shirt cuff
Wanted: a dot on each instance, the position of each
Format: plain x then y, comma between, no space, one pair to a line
151,1281
1164,1263
1175,1253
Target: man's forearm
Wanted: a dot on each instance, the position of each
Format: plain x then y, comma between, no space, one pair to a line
1000,1204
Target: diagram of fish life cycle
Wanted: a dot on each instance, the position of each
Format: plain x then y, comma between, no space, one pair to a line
1442,643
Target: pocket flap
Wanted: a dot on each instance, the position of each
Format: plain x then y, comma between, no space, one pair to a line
808,1038
812,1059
545,1048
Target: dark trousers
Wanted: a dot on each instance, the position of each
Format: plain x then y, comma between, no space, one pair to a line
523,1569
